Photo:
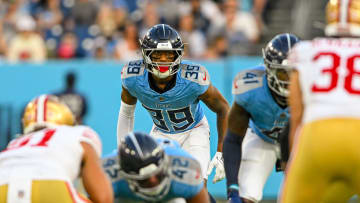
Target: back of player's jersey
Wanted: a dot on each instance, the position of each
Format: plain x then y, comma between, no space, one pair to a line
52,153
329,75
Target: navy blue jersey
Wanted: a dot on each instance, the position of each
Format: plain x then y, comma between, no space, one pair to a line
251,92
176,110
184,172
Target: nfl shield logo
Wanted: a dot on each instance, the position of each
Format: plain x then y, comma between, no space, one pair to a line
161,98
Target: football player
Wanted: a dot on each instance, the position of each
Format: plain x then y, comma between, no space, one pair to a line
256,118
170,90
325,112
152,170
41,165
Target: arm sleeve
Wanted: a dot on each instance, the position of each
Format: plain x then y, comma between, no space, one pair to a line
232,157
125,120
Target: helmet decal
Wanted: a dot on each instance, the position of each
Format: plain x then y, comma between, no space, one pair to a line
162,37
277,68
141,158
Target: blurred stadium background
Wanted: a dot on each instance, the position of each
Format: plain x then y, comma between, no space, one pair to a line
42,41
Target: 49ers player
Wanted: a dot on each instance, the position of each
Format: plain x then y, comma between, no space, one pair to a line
325,111
41,165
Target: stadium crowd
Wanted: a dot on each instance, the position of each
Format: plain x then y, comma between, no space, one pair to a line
110,29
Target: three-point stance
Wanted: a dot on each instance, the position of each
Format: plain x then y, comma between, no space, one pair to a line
155,170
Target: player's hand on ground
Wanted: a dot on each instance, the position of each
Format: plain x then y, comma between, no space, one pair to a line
218,163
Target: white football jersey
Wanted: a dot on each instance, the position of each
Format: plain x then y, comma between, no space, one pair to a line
329,75
52,153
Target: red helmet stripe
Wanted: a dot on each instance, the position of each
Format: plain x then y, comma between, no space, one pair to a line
36,110
41,108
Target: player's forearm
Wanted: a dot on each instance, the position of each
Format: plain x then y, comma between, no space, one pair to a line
125,120
232,157
221,126
296,107
222,123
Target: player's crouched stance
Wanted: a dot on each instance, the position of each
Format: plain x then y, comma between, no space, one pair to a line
41,165
152,170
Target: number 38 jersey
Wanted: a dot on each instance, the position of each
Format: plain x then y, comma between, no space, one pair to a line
329,75
176,110
48,154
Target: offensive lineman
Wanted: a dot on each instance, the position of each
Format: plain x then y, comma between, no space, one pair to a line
154,170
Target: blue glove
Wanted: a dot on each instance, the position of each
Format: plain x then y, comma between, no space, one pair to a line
233,196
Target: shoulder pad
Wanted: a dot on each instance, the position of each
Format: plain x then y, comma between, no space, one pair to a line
89,136
195,73
247,80
133,68
186,170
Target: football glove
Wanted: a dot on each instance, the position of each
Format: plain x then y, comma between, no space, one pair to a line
218,163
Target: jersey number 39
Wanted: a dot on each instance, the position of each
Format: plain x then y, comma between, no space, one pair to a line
158,118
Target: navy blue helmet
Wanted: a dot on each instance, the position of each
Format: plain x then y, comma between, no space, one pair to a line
162,37
142,158
277,68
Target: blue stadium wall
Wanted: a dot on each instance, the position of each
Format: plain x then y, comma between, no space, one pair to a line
100,83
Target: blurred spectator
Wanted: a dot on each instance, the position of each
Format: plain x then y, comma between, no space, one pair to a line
127,48
84,12
68,46
217,48
121,13
103,49
195,7
258,9
76,101
14,9
49,15
2,42
194,38
240,25
149,17
106,20
99,53
167,10
27,45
